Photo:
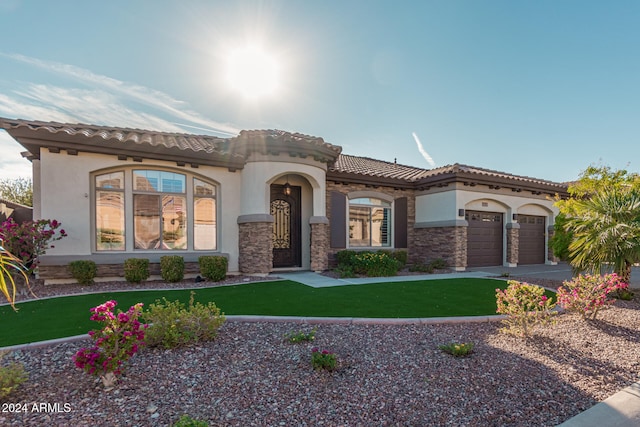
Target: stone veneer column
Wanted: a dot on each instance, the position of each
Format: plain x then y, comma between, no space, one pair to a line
513,244
441,239
319,243
255,244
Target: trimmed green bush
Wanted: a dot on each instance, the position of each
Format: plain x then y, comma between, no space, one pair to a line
372,264
213,267
401,256
346,257
174,325
188,421
84,271
172,268
438,264
136,269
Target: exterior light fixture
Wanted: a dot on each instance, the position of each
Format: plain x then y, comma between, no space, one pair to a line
287,188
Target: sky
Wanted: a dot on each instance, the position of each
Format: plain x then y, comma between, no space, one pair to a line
539,88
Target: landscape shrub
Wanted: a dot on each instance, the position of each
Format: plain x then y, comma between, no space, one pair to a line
174,325
11,376
401,256
84,271
588,294
323,359
421,267
11,269
372,264
188,421
213,267
346,257
438,264
458,349
300,336
136,269
172,268
30,239
526,307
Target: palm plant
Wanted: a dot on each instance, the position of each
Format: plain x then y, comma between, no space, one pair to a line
606,231
8,264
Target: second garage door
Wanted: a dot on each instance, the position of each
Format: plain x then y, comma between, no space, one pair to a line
531,242
484,238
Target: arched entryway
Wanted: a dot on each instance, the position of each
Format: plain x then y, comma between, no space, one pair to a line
286,209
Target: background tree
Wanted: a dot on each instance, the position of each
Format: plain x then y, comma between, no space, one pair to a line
17,190
601,226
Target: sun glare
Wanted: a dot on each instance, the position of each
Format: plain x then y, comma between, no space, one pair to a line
253,72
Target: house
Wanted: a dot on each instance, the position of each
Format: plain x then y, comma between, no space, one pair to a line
269,200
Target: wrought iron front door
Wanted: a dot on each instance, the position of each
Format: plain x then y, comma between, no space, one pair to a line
285,209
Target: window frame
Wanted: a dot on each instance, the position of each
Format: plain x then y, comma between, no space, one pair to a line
356,201
128,191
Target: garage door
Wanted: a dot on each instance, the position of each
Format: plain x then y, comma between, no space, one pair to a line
484,238
531,247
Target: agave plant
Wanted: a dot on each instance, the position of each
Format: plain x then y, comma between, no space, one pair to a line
9,263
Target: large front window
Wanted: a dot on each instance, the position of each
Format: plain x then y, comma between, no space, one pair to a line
168,211
369,222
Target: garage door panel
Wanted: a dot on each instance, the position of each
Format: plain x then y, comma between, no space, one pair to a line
484,238
531,246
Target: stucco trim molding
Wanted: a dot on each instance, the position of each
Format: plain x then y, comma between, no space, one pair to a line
439,224
244,219
371,194
318,220
512,225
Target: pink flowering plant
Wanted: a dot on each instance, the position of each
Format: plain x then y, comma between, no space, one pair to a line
526,307
118,339
30,239
588,294
323,359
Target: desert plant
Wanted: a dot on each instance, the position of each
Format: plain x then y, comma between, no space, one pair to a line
323,359
10,264
300,336
30,239
172,268
188,421
458,349
174,325
136,269
526,307
213,267
11,376
84,271
588,294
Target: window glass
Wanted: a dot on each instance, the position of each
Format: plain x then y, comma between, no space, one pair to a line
110,221
369,226
113,180
159,181
146,216
204,223
174,223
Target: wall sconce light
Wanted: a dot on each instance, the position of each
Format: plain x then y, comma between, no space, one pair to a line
287,188
460,212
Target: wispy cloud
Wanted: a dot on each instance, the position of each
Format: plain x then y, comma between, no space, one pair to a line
422,151
103,101
12,164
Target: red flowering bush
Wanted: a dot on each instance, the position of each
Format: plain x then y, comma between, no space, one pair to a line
30,239
115,343
588,294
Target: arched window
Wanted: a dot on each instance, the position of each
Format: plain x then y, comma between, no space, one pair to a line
369,222
168,211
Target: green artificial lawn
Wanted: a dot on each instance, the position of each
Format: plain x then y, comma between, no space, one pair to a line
46,319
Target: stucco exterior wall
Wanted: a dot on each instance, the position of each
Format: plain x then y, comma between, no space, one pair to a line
66,195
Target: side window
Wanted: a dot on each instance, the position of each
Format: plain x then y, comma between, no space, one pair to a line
369,222
109,219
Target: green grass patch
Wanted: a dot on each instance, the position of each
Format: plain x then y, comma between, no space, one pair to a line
67,316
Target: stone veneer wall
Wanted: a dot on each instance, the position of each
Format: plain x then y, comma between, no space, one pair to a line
319,245
390,191
448,243
513,243
255,251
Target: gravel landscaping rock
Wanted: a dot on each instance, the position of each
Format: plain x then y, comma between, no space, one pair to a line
388,375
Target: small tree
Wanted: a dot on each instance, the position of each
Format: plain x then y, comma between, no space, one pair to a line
17,190
30,239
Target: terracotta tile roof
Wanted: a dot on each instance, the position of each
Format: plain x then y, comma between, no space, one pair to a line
195,143
376,168
459,169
